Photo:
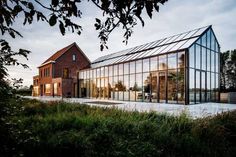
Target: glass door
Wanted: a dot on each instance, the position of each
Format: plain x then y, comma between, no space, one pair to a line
162,86
203,86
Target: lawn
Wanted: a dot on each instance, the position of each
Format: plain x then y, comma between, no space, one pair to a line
33,128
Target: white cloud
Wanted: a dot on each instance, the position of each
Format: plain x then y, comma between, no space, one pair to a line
174,17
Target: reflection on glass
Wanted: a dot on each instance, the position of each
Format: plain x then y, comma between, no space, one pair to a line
162,87
106,71
91,87
98,88
192,57
139,66
146,87
94,95
114,88
181,86
203,87
146,65
120,67
172,86
153,64
106,88
204,42
120,86
213,87
198,88
115,70
198,55
102,72
162,62
181,59
126,68
98,72
208,60
208,86
132,67
203,58
87,88
126,87
138,87
212,61
132,87
217,62
172,61
110,95
209,39
154,86
110,71
101,89
217,88
213,41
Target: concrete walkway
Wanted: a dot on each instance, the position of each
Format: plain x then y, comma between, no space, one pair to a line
194,111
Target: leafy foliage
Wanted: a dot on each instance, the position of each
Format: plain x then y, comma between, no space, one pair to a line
228,71
33,128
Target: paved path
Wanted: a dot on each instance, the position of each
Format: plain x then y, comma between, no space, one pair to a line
194,111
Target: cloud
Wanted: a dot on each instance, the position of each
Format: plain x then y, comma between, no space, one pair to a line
174,17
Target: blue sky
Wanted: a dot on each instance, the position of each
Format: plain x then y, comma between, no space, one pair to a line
174,17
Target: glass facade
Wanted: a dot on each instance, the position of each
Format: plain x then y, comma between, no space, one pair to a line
186,76
204,70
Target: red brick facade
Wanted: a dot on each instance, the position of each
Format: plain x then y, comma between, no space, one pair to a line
58,74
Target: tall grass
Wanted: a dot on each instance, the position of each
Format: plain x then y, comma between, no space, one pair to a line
63,129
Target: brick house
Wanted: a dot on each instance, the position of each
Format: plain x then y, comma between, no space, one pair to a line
58,74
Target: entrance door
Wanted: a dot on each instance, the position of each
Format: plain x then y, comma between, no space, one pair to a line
203,86
162,86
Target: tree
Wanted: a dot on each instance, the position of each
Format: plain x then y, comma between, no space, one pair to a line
228,71
61,12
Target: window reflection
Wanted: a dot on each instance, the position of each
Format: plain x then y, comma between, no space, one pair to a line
162,86
191,86
181,59
162,62
172,61
153,64
126,87
147,87
154,86
132,87
172,86
146,65
138,87
139,66
198,55
181,86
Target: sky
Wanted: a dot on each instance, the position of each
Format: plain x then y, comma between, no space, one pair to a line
174,17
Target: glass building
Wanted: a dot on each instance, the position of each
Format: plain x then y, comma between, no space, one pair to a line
181,69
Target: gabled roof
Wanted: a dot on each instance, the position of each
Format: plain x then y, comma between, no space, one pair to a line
173,43
59,53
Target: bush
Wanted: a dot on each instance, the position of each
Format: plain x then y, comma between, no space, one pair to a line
63,129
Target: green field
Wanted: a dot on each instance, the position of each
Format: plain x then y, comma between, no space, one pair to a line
33,128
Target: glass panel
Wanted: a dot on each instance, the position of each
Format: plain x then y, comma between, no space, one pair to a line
146,87
208,87
102,71
126,68
82,89
110,95
181,59
181,86
106,96
110,71
106,71
162,62
198,55
120,86
213,87
191,86
212,61
209,39
212,41
138,87
154,86
203,87
198,79
153,64
217,88
217,62
192,57
139,66
172,86
203,58
98,88
208,55
98,72
132,87
120,69
162,87
146,65
94,95
114,88
87,89
115,70
204,42
126,87
132,67
172,61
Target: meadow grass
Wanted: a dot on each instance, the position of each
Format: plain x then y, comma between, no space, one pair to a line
64,129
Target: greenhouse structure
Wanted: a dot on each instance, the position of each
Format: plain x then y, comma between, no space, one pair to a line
181,69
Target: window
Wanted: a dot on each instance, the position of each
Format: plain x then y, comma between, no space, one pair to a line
192,57
162,62
73,57
153,64
172,63
65,73
55,88
181,59
47,88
